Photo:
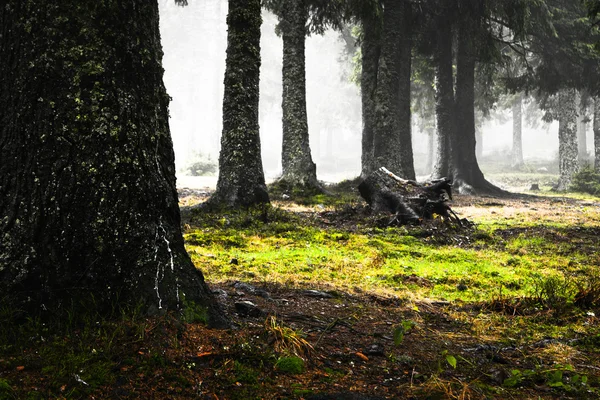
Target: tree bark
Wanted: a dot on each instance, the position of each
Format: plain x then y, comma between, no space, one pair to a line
444,98
88,206
567,137
241,180
466,174
597,134
517,145
298,166
582,137
371,49
392,142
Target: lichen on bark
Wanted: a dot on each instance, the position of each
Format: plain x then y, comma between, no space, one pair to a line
241,181
298,169
87,165
567,137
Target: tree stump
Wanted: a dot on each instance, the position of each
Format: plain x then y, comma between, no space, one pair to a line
409,201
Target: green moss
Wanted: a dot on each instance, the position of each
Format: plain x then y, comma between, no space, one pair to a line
193,313
290,365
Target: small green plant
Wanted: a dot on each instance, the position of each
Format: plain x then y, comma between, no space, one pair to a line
554,292
6,391
244,373
401,330
517,377
450,359
193,313
587,180
290,365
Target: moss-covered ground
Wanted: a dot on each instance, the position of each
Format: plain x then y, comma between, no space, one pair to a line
507,306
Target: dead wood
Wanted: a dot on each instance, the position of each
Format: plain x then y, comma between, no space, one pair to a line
409,202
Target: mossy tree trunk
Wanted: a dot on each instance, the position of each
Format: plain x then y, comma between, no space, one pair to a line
582,136
517,125
88,202
370,49
392,142
597,134
241,180
299,170
444,98
567,137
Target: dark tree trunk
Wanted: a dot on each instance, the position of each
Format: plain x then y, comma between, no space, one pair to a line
298,166
87,174
444,98
241,178
567,137
597,134
392,142
466,174
517,145
371,49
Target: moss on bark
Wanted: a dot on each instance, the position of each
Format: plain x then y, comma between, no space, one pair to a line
87,177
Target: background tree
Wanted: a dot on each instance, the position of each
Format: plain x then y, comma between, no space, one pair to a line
87,176
392,141
567,61
370,46
241,181
297,19
517,131
596,134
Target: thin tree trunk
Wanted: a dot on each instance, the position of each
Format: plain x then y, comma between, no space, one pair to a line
241,180
392,143
444,98
517,145
430,132
297,163
567,137
88,205
371,49
597,134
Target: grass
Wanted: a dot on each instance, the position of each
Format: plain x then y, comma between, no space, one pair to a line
508,308
472,266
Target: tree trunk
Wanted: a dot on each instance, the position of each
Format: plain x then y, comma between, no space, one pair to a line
298,166
582,137
466,174
444,98
392,143
567,137
371,49
241,180
430,132
597,133
517,146
88,206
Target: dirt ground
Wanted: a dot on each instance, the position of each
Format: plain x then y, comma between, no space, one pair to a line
356,345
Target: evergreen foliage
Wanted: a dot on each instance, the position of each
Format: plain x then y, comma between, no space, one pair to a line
587,180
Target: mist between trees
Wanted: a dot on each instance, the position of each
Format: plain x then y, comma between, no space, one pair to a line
194,41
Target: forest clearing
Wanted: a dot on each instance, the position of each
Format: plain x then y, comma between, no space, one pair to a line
329,303
421,278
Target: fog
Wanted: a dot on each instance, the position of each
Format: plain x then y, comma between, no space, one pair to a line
194,42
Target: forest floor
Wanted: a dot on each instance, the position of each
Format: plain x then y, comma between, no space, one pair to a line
331,303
